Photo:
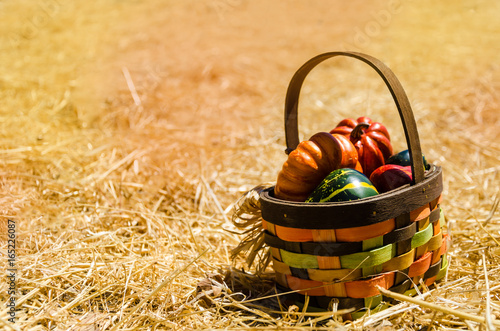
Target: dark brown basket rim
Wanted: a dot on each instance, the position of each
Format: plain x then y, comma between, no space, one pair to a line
341,215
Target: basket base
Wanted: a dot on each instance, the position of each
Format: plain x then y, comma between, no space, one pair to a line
359,307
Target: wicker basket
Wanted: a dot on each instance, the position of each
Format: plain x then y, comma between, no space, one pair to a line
337,253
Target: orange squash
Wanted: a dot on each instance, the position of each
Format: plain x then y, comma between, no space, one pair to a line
311,162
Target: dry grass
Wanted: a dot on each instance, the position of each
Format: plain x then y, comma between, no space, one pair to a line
128,130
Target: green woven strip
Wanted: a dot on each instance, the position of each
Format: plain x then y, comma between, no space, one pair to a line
296,260
366,259
369,258
422,237
351,261
373,243
372,302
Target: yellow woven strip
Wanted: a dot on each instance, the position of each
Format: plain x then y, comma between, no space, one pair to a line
334,274
275,252
435,242
399,262
281,267
342,275
370,271
271,228
423,223
421,250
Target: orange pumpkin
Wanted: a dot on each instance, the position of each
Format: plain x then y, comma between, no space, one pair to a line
311,162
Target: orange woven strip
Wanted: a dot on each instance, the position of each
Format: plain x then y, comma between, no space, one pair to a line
293,234
349,234
436,202
269,227
430,281
333,235
355,289
327,275
420,213
420,266
324,236
306,287
329,262
437,227
365,232
367,288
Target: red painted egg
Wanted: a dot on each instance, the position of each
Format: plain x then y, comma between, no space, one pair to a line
390,176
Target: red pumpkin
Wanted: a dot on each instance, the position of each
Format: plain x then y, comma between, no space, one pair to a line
311,162
371,139
390,176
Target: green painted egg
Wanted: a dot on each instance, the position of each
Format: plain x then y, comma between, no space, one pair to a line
343,185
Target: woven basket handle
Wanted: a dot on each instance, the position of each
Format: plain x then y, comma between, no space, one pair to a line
397,91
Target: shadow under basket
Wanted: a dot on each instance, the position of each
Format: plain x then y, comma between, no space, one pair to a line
337,253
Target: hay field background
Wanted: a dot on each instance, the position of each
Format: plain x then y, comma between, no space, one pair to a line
129,128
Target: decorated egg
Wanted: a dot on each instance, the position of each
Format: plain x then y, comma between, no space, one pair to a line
403,159
390,176
343,185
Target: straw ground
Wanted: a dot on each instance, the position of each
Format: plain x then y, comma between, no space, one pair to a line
129,129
